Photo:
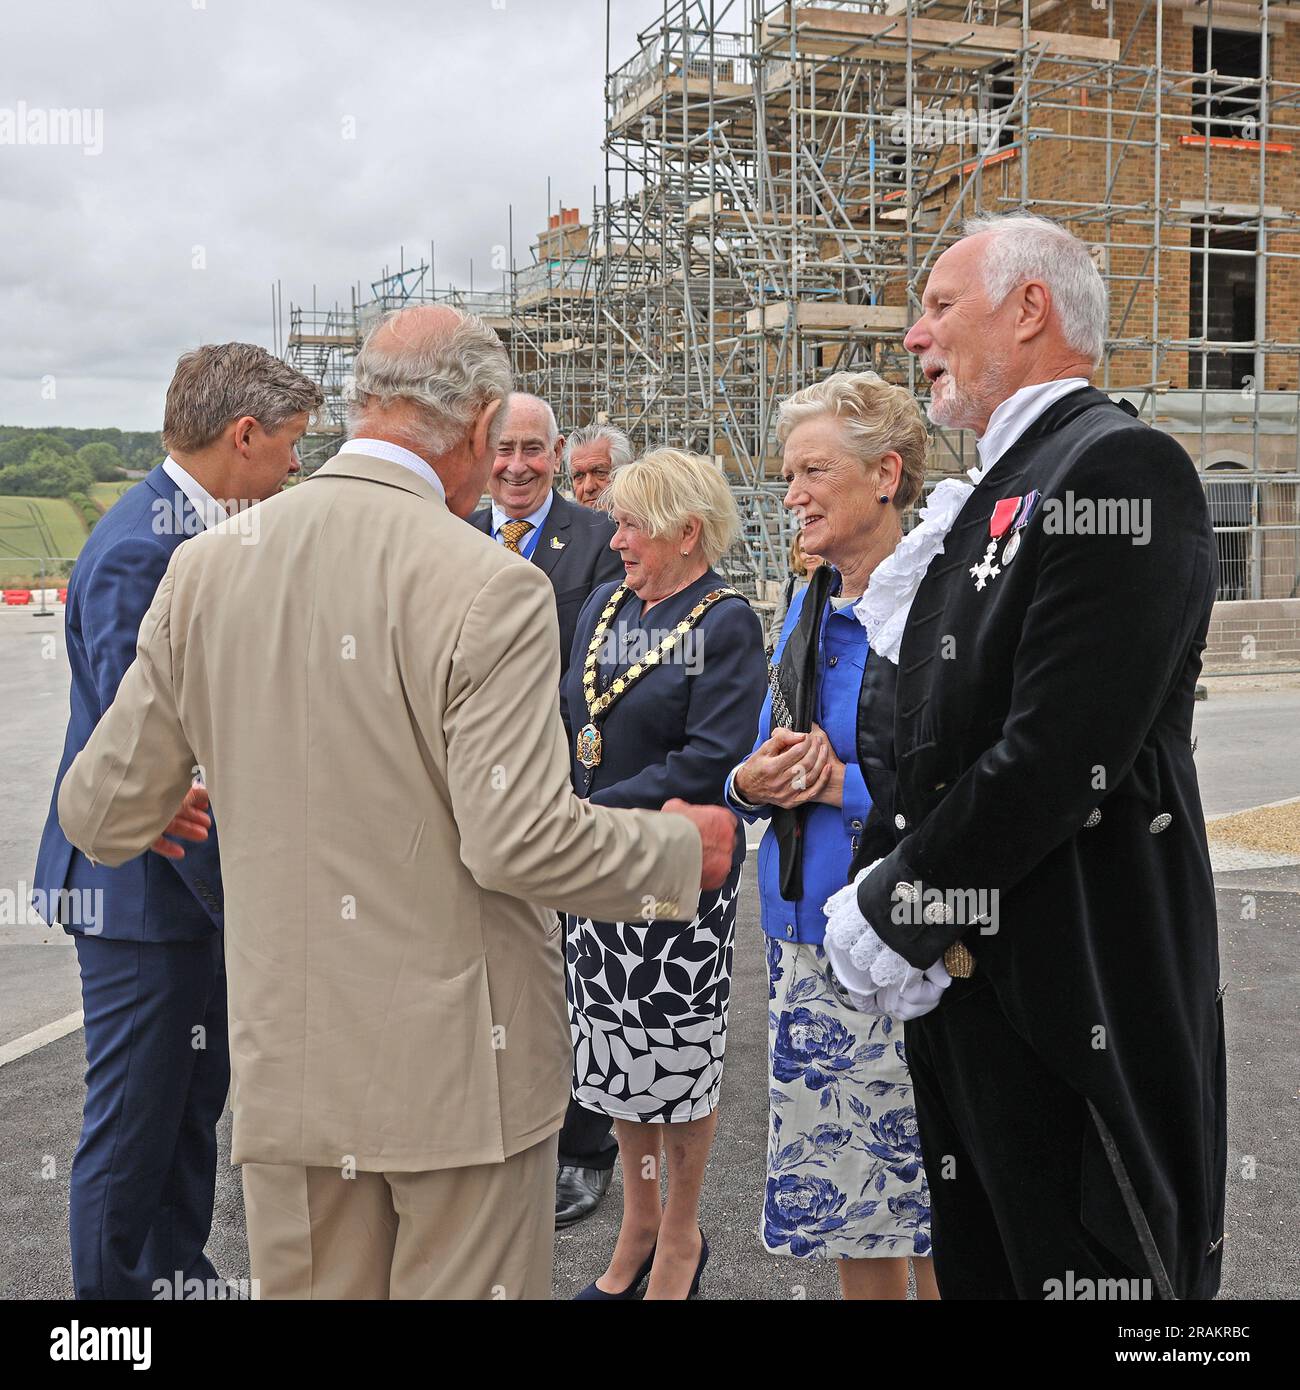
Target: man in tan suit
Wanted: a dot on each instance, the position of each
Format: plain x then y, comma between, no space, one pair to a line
367,686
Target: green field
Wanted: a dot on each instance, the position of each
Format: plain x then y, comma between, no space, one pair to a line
105,494
31,527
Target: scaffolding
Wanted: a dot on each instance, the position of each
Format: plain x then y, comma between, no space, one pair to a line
780,178
322,343
552,301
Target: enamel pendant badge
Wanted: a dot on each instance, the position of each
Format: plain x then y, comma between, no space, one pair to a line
1010,515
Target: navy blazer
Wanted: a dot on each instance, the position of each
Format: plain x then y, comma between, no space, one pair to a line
148,898
573,552
683,726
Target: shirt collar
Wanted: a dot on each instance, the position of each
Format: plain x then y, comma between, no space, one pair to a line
1014,416
499,518
210,512
394,453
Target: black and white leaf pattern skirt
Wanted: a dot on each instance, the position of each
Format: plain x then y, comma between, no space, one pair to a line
648,1011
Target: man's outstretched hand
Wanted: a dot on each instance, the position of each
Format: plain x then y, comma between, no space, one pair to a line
191,822
717,828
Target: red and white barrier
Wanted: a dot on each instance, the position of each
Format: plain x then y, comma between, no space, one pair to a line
20,598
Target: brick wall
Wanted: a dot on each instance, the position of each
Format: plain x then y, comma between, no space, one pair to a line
1253,635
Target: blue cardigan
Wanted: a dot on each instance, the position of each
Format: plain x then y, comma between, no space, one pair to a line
830,832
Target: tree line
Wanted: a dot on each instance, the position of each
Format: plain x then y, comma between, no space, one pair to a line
66,462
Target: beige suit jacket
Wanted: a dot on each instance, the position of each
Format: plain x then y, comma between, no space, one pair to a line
370,688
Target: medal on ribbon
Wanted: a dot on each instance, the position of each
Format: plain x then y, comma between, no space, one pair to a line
1003,514
1023,514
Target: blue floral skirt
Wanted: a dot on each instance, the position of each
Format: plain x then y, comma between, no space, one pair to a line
844,1173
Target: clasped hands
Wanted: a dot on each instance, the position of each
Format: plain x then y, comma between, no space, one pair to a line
791,768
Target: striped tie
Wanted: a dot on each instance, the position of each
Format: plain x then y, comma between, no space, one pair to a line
512,532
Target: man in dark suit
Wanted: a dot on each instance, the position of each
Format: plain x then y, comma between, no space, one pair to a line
570,544
567,542
149,933
1070,1081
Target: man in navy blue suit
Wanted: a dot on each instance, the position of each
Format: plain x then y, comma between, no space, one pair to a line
149,934
570,544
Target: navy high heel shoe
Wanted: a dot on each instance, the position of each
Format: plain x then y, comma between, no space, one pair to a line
593,1293
699,1269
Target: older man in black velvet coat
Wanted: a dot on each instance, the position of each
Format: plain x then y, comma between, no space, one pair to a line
1070,1082
570,545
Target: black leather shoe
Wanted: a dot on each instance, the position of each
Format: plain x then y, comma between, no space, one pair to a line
578,1192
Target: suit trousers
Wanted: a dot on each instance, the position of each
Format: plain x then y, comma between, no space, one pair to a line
1002,1138
157,1073
587,1139
484,1232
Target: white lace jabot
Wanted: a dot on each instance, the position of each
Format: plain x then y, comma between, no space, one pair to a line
884,607
860,959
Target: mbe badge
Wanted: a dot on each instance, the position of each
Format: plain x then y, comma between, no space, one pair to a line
1013,514
986,569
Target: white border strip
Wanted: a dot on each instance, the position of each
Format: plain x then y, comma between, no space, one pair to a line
30,1042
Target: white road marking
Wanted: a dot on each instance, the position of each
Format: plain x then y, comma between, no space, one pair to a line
29,1042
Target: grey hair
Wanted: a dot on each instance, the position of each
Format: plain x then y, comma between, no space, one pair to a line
1023,247
620,446
876,417
221,382
449,376
552,427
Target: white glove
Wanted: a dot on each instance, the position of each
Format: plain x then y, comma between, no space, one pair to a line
919,992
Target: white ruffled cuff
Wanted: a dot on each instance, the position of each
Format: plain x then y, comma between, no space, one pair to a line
861,960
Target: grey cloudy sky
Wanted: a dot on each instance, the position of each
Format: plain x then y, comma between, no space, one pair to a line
224,145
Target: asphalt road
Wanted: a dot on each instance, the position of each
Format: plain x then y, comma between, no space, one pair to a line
1249,753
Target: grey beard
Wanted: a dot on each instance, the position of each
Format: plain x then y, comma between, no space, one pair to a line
963,408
